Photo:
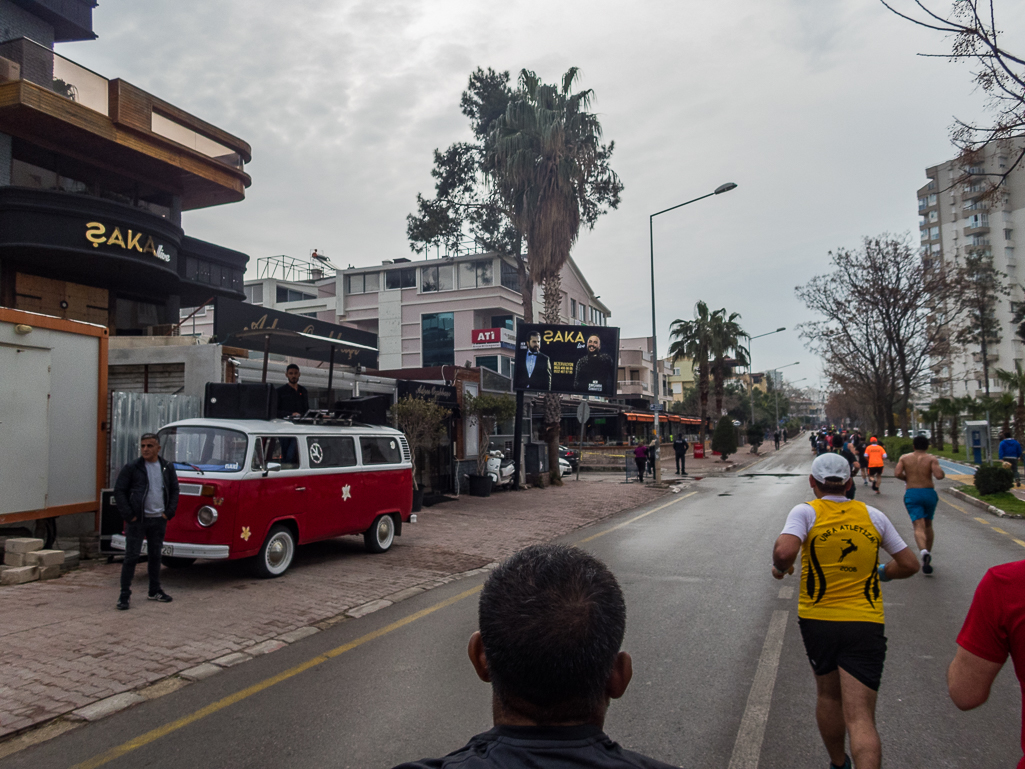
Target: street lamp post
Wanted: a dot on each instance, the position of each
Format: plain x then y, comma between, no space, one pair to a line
751,367
775,388
654,325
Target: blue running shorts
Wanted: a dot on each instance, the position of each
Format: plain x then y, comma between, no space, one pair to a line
921,503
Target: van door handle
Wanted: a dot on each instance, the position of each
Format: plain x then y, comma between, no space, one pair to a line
300,488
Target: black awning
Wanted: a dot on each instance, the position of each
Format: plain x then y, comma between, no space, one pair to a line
255,328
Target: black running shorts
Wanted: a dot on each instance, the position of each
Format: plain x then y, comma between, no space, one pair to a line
857,647
875,471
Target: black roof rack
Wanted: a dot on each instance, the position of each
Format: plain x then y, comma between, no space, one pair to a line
339,417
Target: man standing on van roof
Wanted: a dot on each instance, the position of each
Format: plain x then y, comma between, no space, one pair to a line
146,493
293,399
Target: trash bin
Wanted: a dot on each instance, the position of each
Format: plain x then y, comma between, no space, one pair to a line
699,451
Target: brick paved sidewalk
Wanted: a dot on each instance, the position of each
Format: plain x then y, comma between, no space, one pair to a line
64,645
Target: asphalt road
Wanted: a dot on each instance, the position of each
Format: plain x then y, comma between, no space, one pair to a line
720,679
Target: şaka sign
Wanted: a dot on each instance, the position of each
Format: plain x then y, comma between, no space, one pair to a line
352,347
582,360
97,233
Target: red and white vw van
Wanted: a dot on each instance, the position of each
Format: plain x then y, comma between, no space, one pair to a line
253,487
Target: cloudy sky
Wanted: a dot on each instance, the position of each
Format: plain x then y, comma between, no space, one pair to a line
819,110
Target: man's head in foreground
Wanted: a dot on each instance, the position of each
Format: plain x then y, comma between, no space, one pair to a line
830,475
552,619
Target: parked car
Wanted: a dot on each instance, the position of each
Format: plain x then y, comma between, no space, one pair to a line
572,456
252,488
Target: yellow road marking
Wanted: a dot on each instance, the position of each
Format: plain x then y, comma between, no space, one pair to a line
642,515
983,521
956,507
1000,531
162,731
1018,541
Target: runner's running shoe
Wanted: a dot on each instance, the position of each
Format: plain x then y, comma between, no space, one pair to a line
927,564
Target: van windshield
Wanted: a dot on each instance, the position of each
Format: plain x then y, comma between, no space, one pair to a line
210,449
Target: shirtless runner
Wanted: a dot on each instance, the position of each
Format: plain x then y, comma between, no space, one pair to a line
918,469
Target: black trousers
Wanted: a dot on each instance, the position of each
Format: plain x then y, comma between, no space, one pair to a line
641,462
149,529
681,463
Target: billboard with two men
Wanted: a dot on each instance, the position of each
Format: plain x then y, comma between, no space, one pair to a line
580,360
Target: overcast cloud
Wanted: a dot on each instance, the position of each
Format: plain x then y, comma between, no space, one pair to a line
819,110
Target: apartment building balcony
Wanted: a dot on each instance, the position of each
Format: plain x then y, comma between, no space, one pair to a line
633,387
980,229
991,357
53,103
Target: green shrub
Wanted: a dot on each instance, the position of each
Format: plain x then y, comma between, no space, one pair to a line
756,434
724,439
993,478
896,447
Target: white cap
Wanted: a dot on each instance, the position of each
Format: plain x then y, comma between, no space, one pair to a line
831,468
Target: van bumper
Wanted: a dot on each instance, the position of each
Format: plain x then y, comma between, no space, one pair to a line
178,549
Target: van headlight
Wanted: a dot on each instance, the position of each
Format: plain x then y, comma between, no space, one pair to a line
206,515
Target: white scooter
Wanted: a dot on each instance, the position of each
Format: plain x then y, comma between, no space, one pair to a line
500,469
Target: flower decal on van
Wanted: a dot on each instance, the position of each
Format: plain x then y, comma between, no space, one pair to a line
346,492
246,534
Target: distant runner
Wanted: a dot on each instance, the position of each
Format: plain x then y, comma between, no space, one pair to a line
840,612
875,454
850,453
1010,451
917,470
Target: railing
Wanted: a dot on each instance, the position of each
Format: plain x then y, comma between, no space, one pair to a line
624,384
43,67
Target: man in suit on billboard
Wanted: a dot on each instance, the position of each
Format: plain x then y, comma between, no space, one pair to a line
593,372
537,365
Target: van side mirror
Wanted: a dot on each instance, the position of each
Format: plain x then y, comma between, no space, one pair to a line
273,467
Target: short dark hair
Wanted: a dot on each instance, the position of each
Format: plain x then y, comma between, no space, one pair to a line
150,436
291,366
921,443
552,619
1007,434
532,334
831,487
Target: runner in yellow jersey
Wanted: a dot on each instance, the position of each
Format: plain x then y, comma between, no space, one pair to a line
840,611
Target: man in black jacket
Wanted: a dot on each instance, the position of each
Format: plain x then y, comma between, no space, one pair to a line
293,398
552,619
680,447
537,367
146,494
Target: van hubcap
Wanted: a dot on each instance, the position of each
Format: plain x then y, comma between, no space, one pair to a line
384,529
277,551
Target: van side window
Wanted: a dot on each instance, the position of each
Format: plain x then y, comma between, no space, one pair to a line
283,450
380,450
331,451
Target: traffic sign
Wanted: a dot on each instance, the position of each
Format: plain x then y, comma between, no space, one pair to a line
656,407
583,412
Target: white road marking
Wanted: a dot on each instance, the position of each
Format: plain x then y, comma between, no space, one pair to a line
786,592
748,746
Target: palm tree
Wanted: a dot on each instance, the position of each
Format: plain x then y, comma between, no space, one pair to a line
933,416
551,171
693,339
949,407
725,351
1015,381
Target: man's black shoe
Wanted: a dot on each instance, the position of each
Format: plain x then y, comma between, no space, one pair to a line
161,596
122,604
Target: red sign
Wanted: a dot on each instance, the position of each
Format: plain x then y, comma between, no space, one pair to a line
487,337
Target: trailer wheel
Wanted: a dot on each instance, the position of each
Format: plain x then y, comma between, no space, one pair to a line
379,537
276,554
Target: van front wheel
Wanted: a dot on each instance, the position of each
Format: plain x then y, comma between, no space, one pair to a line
277,553
379,537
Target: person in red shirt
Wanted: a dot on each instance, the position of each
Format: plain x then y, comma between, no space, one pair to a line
994,628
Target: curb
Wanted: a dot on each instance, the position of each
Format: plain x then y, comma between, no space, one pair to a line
982,505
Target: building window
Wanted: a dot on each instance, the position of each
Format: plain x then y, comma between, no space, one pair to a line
510,276
934,233
400,278
1008,234
438,339
933,216
285,294
573,308
254,293
476,274
503,321
487,361
363,283
437,278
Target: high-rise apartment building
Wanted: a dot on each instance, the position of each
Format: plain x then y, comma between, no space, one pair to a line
959,215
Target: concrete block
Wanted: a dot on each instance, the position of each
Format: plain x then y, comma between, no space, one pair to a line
228,660
15,559
22,545
42,558
19,575
49,572
200,672
71,560
368,608
299,633
107,707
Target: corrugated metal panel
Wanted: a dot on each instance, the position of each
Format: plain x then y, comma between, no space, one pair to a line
134,414
152,378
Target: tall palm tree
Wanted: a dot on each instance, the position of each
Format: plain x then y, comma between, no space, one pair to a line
551,171
1015,380
693,339
948,407
725,351
933,416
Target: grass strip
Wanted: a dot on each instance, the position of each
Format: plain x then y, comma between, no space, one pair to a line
1005,500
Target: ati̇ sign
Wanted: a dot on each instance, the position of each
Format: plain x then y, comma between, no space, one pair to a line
97,234
493,337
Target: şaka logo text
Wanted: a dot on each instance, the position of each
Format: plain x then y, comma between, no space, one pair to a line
96,233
